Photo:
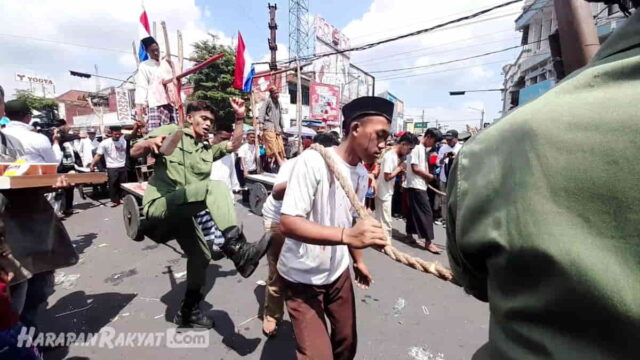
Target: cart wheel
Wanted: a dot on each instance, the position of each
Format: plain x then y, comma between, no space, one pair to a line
257,196
132,218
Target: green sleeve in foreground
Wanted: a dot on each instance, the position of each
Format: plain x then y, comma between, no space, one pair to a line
474,282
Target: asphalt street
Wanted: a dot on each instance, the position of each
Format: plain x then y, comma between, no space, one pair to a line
137,287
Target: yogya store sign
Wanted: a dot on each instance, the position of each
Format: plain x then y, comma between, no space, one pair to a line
34,79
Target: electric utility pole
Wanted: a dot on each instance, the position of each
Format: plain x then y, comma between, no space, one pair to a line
578,36
273,26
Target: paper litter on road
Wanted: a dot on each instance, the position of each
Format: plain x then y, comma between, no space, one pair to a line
74,311
397,308
425,310
419,353
148,299
179,274
261,283
158,316
103,245
66,281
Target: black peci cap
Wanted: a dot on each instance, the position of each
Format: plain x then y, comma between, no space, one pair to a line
451,134
16,109
148,41
368,105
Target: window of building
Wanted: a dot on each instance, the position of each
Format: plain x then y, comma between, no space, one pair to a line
613,9
293,94
540,34
525,35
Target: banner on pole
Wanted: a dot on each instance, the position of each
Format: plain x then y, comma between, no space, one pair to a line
325,103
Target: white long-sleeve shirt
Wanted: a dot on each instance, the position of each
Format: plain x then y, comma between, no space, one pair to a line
85,149
149,88
37,147
224,170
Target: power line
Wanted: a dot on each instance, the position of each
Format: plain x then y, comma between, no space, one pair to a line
417,23
65,43
329,53
457,68
411,34
435,46
442,71
457,60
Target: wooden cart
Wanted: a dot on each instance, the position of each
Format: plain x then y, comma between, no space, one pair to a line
259,186
134,221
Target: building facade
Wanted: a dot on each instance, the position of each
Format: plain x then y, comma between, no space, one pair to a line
535,70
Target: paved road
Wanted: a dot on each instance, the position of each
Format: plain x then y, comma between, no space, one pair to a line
137,287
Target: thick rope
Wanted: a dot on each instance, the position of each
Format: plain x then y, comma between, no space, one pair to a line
433,268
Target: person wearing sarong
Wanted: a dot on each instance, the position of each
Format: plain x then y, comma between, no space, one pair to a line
420,216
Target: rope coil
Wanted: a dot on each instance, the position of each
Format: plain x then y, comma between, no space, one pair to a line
433,268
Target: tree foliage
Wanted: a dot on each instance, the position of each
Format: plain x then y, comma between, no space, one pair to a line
213,83
49,107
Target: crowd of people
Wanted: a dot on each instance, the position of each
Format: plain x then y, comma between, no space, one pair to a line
547,241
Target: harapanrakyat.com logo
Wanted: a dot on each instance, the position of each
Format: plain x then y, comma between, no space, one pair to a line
109,338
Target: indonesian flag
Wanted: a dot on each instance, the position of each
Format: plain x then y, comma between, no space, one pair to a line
143,31
244,71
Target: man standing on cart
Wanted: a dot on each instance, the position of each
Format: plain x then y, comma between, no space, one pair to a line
181,201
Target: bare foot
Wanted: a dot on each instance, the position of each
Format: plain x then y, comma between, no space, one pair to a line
269,326
430,247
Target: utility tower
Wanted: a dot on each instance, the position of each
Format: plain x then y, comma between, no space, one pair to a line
299,28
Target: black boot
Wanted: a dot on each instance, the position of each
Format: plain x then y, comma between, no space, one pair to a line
245,256
190,315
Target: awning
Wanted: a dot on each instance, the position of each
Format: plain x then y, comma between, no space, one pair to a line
535,73
530,12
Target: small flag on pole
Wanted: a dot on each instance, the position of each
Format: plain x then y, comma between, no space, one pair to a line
244,71
143,31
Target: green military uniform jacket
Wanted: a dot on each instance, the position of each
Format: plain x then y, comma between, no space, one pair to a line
190,163
544,216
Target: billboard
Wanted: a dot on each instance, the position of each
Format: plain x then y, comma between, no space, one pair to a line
337,69
325,103
123,105
330,35
34,79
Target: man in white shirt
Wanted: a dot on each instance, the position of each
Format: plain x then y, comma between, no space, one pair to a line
37,147
224,169
274,300
317,220
446,155
247,154
85,149
150,96
420,217
392,165
114,150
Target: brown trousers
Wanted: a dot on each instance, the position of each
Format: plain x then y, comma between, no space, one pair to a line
274,300
308,305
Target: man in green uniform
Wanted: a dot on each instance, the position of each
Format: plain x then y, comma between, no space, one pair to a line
544,213
180,189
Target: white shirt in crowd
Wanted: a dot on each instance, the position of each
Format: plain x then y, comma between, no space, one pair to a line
272,207
224,170
149,88
114,152
418,157
85,149
37,147
443,151
390,162
312,192
248,153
